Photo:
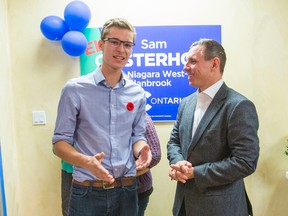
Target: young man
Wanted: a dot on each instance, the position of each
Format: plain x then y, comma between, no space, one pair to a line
100,129
214,143
144,177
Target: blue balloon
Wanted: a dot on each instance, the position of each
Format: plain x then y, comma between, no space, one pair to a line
77,15
74,43
53,27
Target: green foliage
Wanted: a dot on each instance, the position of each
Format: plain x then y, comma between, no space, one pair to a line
286,152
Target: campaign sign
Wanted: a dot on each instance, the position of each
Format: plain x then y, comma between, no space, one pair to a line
156,63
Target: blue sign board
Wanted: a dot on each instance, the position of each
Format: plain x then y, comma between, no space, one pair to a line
157,63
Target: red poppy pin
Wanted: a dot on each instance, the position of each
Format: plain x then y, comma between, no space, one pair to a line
130,106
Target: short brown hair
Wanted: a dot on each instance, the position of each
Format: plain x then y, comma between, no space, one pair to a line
117,22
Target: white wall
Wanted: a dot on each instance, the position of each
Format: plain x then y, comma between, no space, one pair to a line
7,132
33,71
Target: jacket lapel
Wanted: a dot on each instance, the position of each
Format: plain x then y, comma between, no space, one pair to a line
190,118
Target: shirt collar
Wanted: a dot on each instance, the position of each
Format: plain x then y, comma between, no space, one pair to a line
212,90
99,78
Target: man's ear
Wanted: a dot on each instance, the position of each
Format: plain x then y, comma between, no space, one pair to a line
100,44
216,63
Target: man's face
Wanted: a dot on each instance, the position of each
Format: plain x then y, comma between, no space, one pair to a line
197,68
115,56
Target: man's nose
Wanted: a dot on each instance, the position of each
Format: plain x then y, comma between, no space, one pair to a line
121,46
186,67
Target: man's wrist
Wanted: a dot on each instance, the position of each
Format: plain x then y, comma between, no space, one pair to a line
138,155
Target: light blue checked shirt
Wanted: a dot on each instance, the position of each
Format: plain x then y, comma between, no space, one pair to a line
94,117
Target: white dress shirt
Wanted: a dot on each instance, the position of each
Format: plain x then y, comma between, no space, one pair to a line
204,99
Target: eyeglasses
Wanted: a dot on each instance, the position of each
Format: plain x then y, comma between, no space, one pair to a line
114,42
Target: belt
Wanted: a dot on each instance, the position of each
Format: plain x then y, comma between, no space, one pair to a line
119,182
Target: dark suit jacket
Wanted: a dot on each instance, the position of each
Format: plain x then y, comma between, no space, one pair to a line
223,151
